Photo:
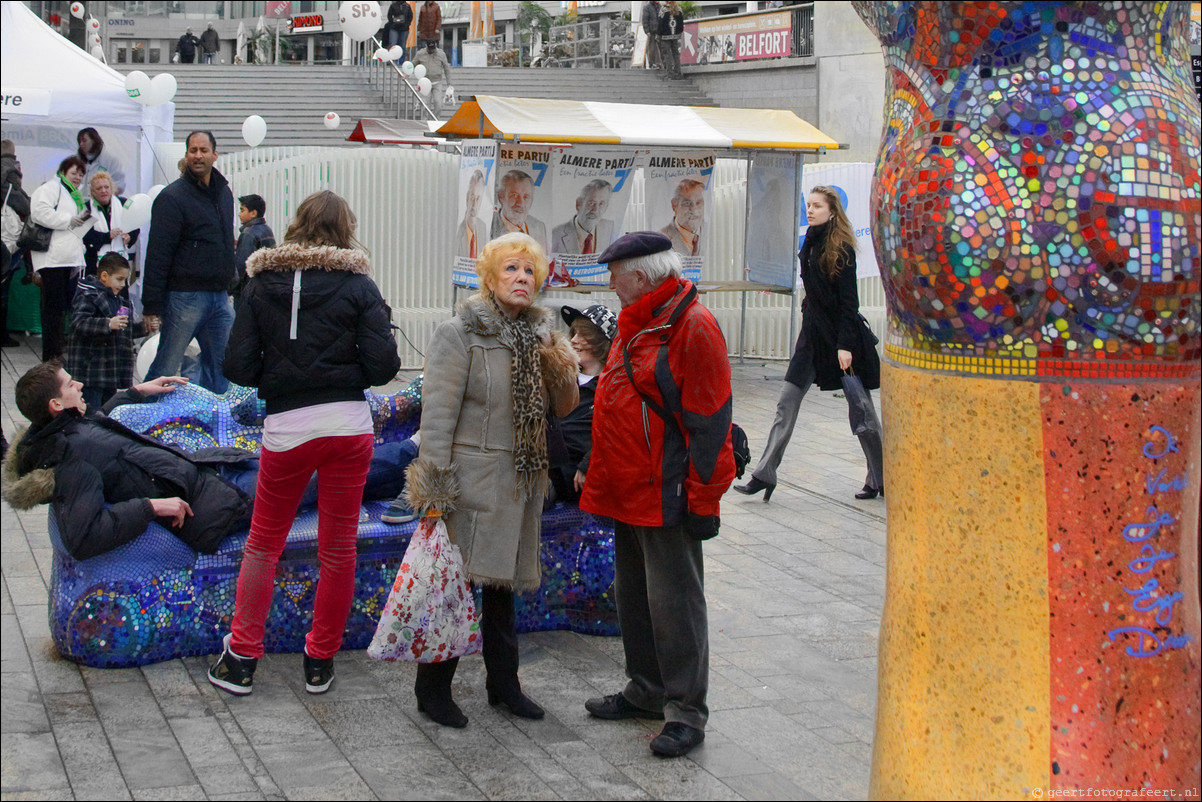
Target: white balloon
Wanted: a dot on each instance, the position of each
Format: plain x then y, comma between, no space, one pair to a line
407,68
77,10
94,39
154,191
137,86
162,88
395,52
332,120
137,212
360,19
419,71
93,24
98,53
254,129
381,54
423,85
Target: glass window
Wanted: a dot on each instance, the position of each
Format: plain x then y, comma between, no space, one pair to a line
155,55
139,52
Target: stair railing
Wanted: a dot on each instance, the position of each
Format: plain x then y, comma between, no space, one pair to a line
395,89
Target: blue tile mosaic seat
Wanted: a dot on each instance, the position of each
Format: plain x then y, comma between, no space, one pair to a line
155,599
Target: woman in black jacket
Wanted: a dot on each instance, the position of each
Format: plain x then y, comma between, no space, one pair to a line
312,333
832,340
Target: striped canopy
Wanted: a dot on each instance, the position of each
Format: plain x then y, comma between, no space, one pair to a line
572,121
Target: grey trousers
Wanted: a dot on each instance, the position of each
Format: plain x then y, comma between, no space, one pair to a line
659,584
787,407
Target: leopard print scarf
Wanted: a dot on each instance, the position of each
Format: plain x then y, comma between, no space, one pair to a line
529,406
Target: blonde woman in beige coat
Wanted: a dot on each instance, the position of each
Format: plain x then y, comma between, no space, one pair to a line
492,372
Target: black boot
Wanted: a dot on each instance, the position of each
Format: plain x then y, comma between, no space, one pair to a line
499,628
433,691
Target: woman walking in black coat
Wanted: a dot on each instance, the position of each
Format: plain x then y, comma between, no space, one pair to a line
832,341
312,333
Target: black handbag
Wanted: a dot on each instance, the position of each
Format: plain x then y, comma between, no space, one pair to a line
34,237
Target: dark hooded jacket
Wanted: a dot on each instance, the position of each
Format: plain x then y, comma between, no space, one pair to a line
100,477
312,328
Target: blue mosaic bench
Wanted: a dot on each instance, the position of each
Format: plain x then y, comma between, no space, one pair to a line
155,599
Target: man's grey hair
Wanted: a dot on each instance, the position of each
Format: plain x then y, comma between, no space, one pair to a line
514,175
686,185
593,186
656,266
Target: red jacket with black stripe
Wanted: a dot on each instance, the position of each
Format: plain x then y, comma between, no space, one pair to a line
645,471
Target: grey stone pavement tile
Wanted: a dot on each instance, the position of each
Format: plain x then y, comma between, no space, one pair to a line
795,589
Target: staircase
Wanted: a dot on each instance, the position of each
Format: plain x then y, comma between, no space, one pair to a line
294,99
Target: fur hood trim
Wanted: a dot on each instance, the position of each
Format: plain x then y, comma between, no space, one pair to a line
28,491
559,365
429,487
291,256
479,317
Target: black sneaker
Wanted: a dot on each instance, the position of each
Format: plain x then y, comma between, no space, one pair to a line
318,674
676,740
233,674
616,706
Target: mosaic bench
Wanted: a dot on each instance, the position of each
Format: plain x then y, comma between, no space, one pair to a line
155,599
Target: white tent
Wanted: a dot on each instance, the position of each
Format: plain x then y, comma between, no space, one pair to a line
52,89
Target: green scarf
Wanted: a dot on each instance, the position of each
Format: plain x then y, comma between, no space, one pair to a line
74,190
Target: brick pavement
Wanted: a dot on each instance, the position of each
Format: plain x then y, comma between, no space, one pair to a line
795,589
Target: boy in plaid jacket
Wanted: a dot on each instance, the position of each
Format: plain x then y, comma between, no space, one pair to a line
100,351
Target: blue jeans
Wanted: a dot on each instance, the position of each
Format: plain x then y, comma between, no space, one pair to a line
207,316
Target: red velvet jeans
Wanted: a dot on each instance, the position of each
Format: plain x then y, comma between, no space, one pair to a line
341,464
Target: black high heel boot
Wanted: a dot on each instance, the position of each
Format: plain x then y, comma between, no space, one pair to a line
755,486
433,691
498,625
518,703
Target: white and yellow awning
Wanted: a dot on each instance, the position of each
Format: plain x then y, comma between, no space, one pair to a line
634,124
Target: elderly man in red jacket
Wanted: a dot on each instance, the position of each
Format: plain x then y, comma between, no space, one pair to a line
661,461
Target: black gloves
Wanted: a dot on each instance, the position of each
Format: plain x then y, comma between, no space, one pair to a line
702,527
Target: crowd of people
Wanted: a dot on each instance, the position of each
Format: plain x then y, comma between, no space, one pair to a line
628,416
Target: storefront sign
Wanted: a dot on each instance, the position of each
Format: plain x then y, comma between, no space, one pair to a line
306,23
276,9
737,38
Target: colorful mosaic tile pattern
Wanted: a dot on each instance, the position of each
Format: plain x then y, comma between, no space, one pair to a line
1037,196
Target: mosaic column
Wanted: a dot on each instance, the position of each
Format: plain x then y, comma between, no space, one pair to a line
1037,223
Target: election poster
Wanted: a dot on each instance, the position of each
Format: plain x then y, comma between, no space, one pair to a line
678,192
523,192
591,189
852,182
772,219
477,176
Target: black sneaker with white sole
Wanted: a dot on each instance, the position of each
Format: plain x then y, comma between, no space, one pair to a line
318,674
233,674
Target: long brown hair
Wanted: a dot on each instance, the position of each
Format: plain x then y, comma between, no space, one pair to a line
839,234
324,218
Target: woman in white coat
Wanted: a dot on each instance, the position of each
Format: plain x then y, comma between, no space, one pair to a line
59,206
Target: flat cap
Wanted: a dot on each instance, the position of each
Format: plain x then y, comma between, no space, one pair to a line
634,245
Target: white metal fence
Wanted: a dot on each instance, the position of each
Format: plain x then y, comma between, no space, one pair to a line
405,199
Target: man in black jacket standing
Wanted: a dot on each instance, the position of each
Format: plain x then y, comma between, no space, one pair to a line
190,266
